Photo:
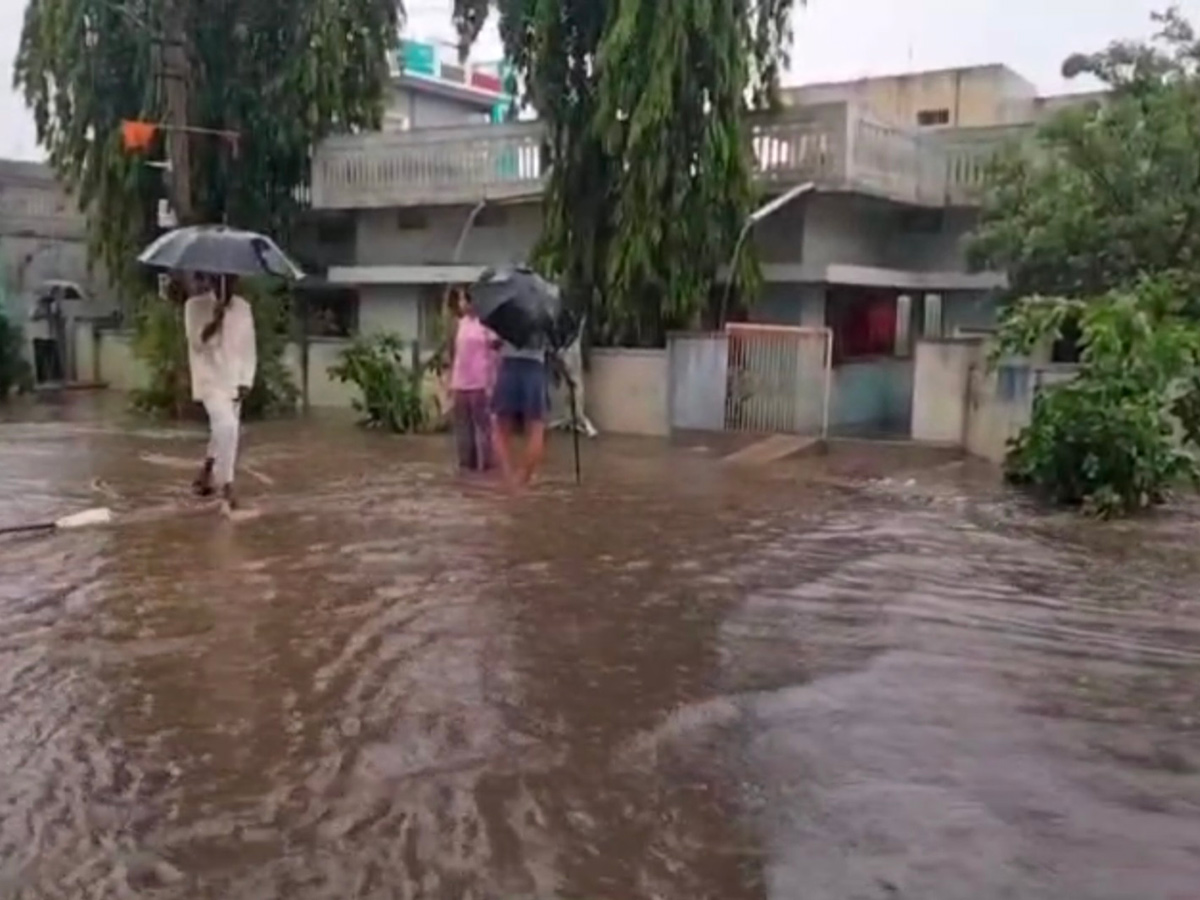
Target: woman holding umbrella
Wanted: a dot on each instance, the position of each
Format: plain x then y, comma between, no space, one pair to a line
522,309
220,331
222,357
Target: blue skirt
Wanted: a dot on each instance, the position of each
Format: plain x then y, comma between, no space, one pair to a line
520,393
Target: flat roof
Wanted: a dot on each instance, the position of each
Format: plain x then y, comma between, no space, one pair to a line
897,76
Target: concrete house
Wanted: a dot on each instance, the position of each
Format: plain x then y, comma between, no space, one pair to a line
382,263
43,253
875,251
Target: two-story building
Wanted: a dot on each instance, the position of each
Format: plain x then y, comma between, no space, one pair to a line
875,251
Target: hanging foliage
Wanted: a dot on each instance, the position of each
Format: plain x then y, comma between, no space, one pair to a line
645,105
281,73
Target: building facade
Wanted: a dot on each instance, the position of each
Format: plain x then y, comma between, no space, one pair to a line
875,251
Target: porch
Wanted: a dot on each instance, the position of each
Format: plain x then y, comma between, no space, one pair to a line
875,316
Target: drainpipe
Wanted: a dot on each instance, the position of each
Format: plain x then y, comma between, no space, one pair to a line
767,209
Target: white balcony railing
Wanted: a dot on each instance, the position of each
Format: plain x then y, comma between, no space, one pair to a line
823,144
428,166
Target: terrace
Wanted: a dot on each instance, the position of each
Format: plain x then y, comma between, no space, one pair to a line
830,145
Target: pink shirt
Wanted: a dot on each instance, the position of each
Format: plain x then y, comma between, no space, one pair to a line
472,368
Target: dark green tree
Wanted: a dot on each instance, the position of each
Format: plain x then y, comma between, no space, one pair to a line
1098,227
281,73
1110,191
645,105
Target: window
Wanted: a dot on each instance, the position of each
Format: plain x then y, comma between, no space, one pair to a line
335,231
411,219
433,316
864,323
331,313
928,118
492,217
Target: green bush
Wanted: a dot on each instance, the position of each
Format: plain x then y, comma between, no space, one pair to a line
274,392
1109,454
15,374
160,342
392,390
1120,436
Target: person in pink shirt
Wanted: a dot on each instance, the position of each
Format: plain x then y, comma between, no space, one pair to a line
472,372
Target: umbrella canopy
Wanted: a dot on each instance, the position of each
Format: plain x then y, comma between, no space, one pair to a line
219,250
518,305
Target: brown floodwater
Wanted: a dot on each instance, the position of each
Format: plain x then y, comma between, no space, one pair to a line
873,675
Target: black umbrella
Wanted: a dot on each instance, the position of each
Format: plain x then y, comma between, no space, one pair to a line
219,250
518,305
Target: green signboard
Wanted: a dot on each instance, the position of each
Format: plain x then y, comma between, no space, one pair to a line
418,58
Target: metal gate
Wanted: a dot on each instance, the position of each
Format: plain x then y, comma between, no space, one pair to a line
762,379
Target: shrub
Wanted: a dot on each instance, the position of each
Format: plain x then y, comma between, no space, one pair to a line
160,343
15,373
391,384
1119,437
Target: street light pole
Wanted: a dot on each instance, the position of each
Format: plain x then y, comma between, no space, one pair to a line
767,209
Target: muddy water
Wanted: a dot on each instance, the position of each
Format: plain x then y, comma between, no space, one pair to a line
674,682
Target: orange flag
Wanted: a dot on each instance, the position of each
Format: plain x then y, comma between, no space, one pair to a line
137,136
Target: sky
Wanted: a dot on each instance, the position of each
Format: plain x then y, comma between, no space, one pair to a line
834,40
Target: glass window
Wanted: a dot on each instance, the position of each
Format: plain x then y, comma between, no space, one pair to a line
332,314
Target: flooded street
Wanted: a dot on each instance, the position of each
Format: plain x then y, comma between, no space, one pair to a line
678,681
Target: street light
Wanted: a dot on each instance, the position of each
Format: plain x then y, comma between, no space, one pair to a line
767,209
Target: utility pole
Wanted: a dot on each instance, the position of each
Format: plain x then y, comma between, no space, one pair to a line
175,79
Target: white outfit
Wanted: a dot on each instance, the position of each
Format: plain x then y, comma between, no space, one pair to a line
41,321
220,366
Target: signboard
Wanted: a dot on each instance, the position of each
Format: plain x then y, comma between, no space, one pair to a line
486,81
418,58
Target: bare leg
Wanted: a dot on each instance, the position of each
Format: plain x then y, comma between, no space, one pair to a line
464,437
224,424
535,450
481,428
502,432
